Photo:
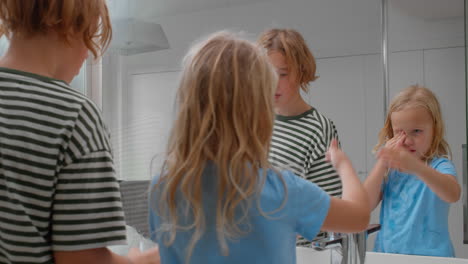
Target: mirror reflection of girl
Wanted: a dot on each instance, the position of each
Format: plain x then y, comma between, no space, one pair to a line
301,133
413,178
217,200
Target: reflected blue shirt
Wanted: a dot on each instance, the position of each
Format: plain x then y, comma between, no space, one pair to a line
272,239
414,220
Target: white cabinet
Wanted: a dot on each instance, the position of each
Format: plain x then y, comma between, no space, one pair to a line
349,91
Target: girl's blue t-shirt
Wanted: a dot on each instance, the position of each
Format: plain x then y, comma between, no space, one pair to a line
272,238
413,219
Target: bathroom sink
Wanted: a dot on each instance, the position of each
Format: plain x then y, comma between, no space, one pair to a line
311,256
134,240
306,255
381,258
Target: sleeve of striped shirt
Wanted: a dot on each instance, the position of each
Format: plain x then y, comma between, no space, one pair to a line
319,170
87,211
320,145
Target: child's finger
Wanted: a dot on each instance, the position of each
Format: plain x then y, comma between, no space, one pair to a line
385,154
327,156
401,139
392,142
397,138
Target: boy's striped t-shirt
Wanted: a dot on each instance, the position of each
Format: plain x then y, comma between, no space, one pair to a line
299,144
58,190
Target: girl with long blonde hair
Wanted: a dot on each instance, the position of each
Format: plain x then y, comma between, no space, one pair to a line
413,177
217,200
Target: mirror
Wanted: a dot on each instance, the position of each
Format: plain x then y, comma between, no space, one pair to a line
425,46
465,151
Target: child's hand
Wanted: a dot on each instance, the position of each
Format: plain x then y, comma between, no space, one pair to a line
150,256
396,141
335,155
399,158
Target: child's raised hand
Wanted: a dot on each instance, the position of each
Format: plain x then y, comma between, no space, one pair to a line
335,155
398,158
389,158
396,141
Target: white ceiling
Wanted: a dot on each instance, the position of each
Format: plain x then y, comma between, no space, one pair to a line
150,9
431,9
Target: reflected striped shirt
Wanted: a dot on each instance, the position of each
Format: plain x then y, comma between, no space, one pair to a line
58,190
299,144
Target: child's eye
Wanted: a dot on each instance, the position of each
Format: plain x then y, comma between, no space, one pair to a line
283,74
417,131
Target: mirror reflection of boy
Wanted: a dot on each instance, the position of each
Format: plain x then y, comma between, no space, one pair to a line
301,133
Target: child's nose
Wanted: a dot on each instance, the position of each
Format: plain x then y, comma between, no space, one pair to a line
408,140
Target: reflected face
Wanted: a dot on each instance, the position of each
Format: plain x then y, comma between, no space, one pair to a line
287,88
417,127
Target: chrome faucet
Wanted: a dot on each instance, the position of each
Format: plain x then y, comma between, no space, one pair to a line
346,248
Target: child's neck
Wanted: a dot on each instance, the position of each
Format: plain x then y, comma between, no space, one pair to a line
42,55
293,108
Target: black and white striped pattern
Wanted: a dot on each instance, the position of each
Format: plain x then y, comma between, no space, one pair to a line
299,144
58,190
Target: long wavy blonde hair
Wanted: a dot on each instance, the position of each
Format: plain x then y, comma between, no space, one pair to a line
225,118
418,96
